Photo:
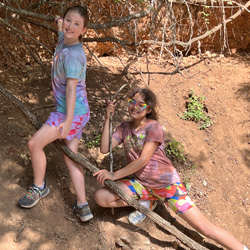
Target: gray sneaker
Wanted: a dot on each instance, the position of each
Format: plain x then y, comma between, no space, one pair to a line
33,196
84,213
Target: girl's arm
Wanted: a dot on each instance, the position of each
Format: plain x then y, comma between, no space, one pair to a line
147,152
70,107
59,21
104,145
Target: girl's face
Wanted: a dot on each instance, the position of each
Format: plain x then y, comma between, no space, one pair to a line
137,107
73,27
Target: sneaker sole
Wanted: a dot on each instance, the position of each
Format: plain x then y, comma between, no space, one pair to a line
86,218
34,203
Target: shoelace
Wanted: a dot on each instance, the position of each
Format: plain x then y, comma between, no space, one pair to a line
32,191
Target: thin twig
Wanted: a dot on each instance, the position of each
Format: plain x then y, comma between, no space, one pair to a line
44,106
20,230
25,34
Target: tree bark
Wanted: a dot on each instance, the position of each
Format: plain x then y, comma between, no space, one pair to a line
83,161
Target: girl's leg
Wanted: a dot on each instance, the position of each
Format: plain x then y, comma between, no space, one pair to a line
41,138
45,135
76,172
198,221
105,198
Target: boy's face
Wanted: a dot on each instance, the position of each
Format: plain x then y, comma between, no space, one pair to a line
73,26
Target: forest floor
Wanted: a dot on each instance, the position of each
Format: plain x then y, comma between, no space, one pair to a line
219,183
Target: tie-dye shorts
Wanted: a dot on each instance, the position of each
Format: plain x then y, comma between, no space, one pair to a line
175,196
79,122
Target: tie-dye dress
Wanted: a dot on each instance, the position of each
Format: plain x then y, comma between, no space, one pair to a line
69,62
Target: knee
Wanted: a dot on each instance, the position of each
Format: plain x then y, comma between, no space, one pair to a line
100,197
31,144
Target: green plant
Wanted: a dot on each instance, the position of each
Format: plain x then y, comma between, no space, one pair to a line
187,176
186,181
95,142
196,111
175,149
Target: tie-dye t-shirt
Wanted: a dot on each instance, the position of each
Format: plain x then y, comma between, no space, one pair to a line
69,62
159,172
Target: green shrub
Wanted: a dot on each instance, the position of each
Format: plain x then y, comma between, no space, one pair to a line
175,150
95,142
196,111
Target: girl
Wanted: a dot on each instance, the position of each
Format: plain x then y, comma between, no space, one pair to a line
72,111
154,176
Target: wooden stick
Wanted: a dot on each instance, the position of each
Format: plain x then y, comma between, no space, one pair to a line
82,160
21,229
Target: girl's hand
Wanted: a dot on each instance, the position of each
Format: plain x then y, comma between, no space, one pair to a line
110,109
59,21
103,175
64,128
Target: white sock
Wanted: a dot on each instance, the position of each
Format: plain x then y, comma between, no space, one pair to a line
145,203
41,187
245,248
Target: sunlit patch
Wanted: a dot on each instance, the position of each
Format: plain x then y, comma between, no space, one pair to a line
12,166
31,235
47,246
10,241
9,185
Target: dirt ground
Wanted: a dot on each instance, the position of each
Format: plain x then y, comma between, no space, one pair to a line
220,183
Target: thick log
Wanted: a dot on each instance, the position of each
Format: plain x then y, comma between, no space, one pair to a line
83,161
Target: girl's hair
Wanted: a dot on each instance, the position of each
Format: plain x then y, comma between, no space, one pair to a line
82,11
149,98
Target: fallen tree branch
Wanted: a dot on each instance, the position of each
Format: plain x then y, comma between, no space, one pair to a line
82,160
33,55
201,37
19,31
39,24
118,22
23,12
107,39
96,26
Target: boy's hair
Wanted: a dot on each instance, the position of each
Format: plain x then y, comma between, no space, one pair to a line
82,11
149,98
